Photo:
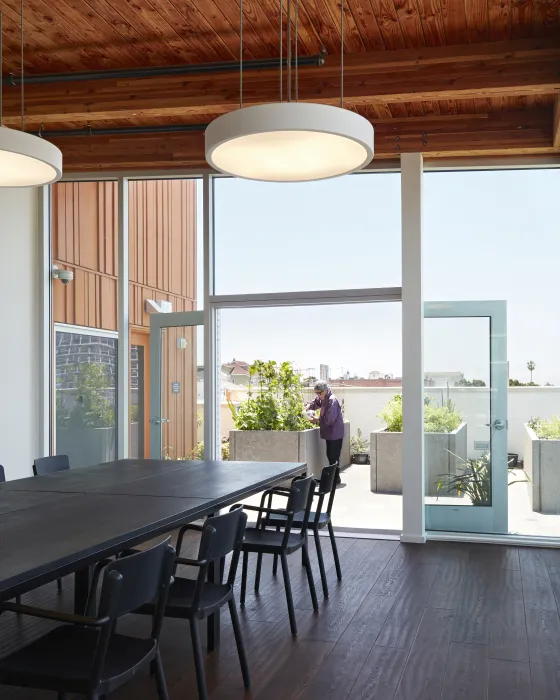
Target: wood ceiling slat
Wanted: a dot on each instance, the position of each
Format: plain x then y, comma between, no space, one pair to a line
205,16
409,19
546,14
522,19
499,19
165,30
388,22
455,21
325,14
366,20
398,110
36,37
133,31
477,20
181,19
73,33
433,26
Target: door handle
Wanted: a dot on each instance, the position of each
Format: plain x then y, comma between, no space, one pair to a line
497,424
159,421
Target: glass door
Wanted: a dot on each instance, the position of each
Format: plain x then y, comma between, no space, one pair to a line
465,423
176,385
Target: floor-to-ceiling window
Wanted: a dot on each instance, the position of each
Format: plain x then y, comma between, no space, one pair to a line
305,244
491,237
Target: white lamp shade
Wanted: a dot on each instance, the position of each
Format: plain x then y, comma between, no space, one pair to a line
289,142
27,160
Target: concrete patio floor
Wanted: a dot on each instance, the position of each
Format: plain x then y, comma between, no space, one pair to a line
357,508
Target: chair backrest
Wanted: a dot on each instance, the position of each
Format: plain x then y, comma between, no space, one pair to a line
142,576
2,475
221,535
129,583
300,499
49,465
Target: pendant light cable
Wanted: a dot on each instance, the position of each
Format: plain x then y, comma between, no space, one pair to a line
281,46
289,46
22,75
341,53
240,53
1,64
296,50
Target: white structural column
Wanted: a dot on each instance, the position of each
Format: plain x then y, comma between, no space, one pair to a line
123,350
413,346
211,350
45,321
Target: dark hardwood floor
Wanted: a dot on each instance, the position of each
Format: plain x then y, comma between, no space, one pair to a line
408,622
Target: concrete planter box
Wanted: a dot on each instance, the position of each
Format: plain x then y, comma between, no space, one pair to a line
285,446
386,458
542,466
86,446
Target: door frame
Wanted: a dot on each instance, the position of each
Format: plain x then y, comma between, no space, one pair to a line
481,519
141,337
157,323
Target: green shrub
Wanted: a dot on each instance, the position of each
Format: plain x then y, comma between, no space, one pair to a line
274,400
546,428
359,444
437,419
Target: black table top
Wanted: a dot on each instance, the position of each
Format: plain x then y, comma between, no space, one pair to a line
55,524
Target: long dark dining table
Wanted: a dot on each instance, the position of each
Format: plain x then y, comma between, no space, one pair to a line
63,523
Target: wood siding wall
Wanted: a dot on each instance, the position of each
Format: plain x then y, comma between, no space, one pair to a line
162,238
163,254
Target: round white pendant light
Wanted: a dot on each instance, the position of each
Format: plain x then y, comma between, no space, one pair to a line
289,142
27,160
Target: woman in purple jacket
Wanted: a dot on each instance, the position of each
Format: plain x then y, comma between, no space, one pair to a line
331,423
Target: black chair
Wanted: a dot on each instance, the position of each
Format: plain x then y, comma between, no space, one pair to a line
318,520
196,599
86,655
49,465
264,541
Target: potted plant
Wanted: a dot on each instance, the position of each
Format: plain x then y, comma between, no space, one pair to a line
541,458
271,424
473,479
445,445
359,448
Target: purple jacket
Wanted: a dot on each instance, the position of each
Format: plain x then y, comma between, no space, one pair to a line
331,423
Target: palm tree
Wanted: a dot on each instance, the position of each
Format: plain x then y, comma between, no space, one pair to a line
531,366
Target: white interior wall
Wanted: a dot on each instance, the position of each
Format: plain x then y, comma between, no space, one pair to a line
19,322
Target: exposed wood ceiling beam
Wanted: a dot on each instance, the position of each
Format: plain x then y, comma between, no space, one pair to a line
528,67
556,125
515,133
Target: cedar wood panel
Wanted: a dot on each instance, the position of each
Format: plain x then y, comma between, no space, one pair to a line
163,249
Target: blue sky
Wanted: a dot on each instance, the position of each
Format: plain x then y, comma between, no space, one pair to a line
487,236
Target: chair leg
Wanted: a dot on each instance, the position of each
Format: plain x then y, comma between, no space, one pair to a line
239,642
310,579
335,552
244,578
258,573
321,563
18,600
275,565
288,587
198,660
160,676
59,584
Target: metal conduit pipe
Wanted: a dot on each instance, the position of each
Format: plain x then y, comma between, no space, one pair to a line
155,71
124,130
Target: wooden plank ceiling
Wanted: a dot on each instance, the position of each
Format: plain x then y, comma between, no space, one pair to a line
446,77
